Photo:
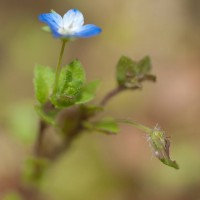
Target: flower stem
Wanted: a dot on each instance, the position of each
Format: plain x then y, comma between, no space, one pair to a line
137,125
58,68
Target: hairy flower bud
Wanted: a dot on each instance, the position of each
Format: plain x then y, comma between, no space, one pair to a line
160,145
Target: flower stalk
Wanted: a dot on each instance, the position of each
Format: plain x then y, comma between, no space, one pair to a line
58,68
137,125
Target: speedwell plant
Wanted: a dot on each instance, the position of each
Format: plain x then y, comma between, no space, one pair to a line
63,95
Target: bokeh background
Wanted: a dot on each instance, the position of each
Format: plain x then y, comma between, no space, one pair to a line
101,167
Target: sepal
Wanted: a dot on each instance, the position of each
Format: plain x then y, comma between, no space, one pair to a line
160,145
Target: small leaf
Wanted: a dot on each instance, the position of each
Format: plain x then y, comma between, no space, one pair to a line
70,85
126,69
72,74
46,29
107,125
88,92
43,83
78,72
131,74
144,65
53,11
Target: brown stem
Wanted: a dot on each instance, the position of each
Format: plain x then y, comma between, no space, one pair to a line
41,130
111,94
38,146
74,116
69,124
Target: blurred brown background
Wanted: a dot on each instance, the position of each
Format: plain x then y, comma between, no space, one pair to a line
108,167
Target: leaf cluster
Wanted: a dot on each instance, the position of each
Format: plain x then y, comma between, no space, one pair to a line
71,89
131,74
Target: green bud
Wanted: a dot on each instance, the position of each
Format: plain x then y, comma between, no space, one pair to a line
160,145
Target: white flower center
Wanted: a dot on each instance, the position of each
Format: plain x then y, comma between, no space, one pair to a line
69,29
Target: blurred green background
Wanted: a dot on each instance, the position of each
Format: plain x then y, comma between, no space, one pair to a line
98,166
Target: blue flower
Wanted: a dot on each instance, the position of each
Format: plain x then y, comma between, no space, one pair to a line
70,25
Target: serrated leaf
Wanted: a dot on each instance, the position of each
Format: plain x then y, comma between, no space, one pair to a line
144,65
107,125
78,72
88,92
131,74
70,85
43,83
126,68
71,75
71,80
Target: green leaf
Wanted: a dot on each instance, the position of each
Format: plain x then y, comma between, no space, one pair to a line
72,74
70,85
88,92
144,65
43,83
107,125
131,74
126,70
53,11
46,29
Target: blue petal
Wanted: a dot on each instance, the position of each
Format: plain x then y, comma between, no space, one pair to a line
53,20
88,30
73,18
